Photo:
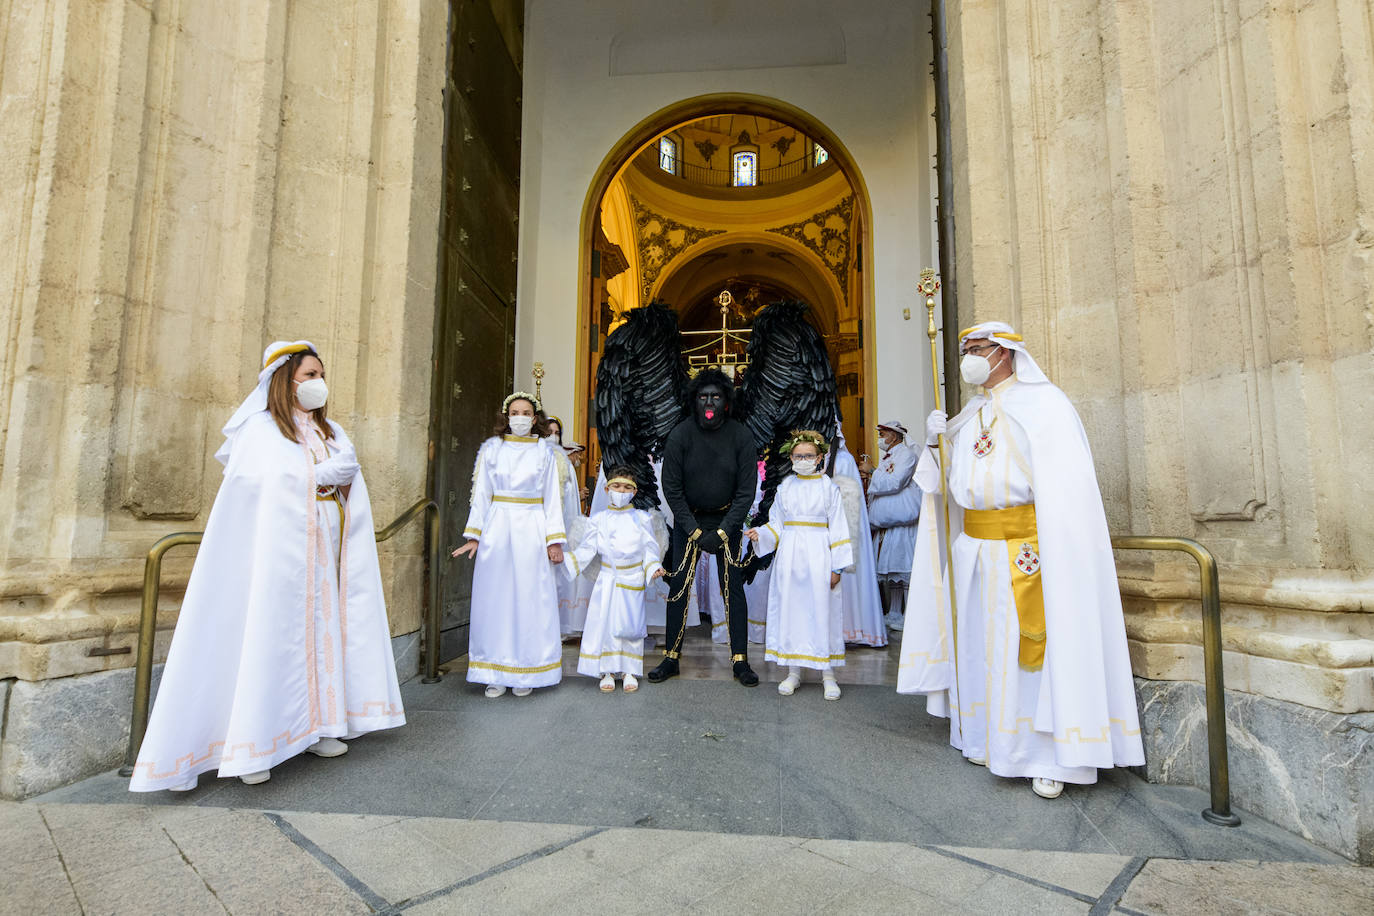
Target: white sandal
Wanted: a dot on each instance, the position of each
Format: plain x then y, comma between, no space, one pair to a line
832,688
521,691
789,685
608,683
494,691
1047,788
630,685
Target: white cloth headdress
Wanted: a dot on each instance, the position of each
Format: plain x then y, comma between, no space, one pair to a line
1001,333
896,426
273,358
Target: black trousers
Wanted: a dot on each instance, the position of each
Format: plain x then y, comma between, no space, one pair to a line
736,608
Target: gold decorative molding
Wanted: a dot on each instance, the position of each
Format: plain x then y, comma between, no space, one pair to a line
827,234
659,239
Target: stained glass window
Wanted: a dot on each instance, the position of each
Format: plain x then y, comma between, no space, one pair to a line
822,157
746,169
667,154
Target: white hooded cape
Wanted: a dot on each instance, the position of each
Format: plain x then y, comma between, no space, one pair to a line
1091,694
237,693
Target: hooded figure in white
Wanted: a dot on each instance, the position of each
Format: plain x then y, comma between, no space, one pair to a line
1035,678
282,643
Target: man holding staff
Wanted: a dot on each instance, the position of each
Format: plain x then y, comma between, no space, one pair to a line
1027,656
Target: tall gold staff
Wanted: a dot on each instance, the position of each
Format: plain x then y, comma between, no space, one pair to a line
930,285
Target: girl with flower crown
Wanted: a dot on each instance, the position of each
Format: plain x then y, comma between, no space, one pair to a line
515,531
807,528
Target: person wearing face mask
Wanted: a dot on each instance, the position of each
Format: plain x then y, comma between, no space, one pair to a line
282,644
894,505
1035,678
709,477
807,528
572,594
515,532
623,537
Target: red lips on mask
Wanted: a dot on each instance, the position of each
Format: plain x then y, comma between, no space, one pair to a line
710,414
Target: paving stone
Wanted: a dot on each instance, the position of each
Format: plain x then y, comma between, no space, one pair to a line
486,844
252,867
1184,888
797,881
1003,895
167,885
1086,873
100,840
696,870
23,835
325,829
35,886
624,851
396,861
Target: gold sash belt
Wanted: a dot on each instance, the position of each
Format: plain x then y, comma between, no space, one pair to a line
1016,526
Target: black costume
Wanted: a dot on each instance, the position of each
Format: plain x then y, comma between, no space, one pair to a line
709,477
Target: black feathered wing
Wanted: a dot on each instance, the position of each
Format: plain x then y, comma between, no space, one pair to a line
641,387
790,384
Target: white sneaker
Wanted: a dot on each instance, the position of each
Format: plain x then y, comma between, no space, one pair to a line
328,747
978,761
789,685
253,779
1047,788
832,688
526,691
494,691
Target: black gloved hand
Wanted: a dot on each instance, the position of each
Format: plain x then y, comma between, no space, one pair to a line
709,541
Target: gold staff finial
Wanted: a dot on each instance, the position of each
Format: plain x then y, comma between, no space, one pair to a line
538,374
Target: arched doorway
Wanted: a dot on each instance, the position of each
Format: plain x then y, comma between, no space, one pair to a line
800,227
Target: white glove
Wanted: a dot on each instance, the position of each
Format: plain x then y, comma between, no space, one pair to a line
336,472
936,424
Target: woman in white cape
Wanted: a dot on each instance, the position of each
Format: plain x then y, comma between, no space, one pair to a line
515,532
282,644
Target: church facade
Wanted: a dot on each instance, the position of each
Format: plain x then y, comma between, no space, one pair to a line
1172,201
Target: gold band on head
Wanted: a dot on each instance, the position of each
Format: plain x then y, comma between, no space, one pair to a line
623,480
284,351
1002,334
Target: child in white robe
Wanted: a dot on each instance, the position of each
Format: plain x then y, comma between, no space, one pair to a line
515,532
807,528
614,632
572,594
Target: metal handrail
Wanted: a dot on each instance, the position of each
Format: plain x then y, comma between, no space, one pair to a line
1220,775
152,585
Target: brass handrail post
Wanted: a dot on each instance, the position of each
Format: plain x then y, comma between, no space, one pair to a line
1219,766
147,633
152,586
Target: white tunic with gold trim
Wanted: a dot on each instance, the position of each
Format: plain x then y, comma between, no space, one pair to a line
807,528
1024,499
282,637
613,637
573,594
517,512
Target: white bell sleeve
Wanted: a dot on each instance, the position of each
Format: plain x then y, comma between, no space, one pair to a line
841,546
652,557
576,561
769,533
555,532
481,494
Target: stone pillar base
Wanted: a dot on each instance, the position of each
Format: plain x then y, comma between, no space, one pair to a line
1306,770
65,729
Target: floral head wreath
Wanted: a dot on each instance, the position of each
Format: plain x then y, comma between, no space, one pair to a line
521,396
805,435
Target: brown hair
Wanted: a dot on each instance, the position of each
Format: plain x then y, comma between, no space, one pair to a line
539,429
281,398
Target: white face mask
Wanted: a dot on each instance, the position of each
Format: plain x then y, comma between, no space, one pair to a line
521,426
312,393
620,499
804,465
884,444
975,369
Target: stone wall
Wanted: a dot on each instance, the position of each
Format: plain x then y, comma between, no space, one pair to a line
185,182
1173,203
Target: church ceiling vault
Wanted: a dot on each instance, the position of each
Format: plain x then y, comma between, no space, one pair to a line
827,234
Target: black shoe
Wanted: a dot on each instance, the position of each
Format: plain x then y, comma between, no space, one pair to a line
666,669
745,675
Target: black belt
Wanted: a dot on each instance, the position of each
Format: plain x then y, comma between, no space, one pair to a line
722,510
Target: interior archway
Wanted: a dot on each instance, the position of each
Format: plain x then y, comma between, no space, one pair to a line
826,262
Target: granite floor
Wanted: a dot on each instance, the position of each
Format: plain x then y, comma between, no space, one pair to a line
698,793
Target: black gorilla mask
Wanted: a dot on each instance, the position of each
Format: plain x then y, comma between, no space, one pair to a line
710,406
